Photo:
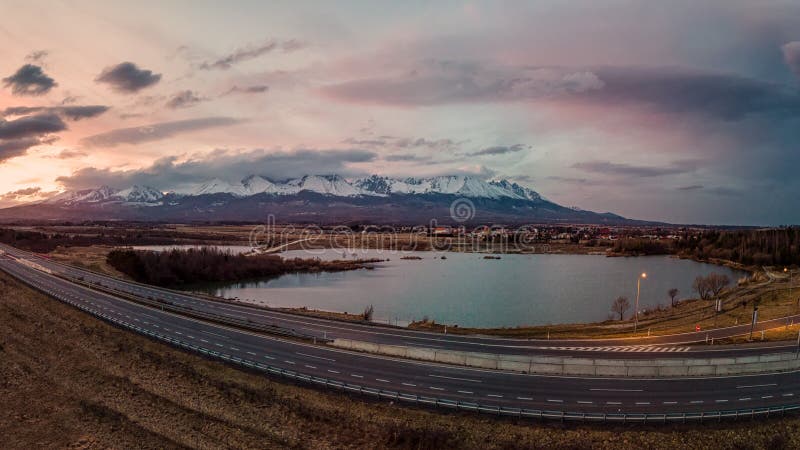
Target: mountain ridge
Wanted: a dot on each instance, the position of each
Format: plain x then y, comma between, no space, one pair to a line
315,198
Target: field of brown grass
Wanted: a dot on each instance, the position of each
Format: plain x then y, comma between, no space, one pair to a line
70,381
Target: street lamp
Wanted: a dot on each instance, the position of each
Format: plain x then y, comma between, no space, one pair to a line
636,306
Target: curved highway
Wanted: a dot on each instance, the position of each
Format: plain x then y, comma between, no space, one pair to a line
427,382
660,346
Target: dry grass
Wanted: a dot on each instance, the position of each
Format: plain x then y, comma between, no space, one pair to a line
70,381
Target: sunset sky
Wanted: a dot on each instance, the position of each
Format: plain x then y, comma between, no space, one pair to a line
686,112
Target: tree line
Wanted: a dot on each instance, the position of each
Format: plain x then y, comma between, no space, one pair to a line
773,247
209,264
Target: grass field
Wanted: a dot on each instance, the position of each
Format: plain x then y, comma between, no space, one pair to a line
70,381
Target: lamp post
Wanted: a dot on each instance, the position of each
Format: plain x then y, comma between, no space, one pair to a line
636,306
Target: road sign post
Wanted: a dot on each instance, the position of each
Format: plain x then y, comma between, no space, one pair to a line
753,323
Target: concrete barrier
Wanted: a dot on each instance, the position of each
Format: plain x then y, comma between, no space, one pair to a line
565,365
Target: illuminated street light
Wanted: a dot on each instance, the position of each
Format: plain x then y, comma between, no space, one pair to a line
636,307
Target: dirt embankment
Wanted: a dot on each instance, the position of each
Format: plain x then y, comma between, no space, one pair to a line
70,381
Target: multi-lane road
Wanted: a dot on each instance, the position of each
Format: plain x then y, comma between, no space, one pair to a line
666,346
469,388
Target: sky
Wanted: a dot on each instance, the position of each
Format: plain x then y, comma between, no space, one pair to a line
679,111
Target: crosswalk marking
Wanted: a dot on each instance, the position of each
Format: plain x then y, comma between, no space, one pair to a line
626,348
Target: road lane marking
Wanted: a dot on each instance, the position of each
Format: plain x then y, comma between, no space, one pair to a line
583,402
288,362
466,392
436,388
613,403
494,395
670,403
357,376
268,357
310,367
696,402
766,396
616,390
555,401
744,399
756,386
788,395
642,403
524,398
721,401
317,357
333,371
382,380
409,384
456,378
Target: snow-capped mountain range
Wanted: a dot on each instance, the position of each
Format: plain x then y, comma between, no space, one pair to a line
332,185
318,199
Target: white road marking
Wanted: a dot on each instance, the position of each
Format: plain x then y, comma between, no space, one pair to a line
333,371
288,362
317,357
766,396
409,384
744,399
251,353
555,401
583,402
788,395
613,403
670,403
494,395
465,392
642,403
455,378
756,386
721,401
357,376
436,388
310,367
524,398
616,390
696,402
382,380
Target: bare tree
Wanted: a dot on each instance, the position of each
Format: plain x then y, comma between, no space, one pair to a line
702,288
710,286
672,294
620,306
717,283
367,314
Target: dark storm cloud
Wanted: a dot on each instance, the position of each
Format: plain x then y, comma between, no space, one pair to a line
184,99
25,192
402,158
404,143
31,126
74,113
16,147
445,82
169,173
718,96
128,78
29,80
156,131
255,89
251,52
499,150
628,170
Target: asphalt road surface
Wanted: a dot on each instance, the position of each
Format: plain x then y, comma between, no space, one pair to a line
643,348
427,381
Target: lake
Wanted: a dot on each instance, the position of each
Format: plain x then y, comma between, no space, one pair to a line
471,291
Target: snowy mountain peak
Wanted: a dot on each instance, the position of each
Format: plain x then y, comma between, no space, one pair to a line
139,194
332,185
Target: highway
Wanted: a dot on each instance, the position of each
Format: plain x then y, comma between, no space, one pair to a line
404,380
663,346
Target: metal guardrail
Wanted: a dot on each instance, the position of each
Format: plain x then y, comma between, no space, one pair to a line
751,413
190,312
